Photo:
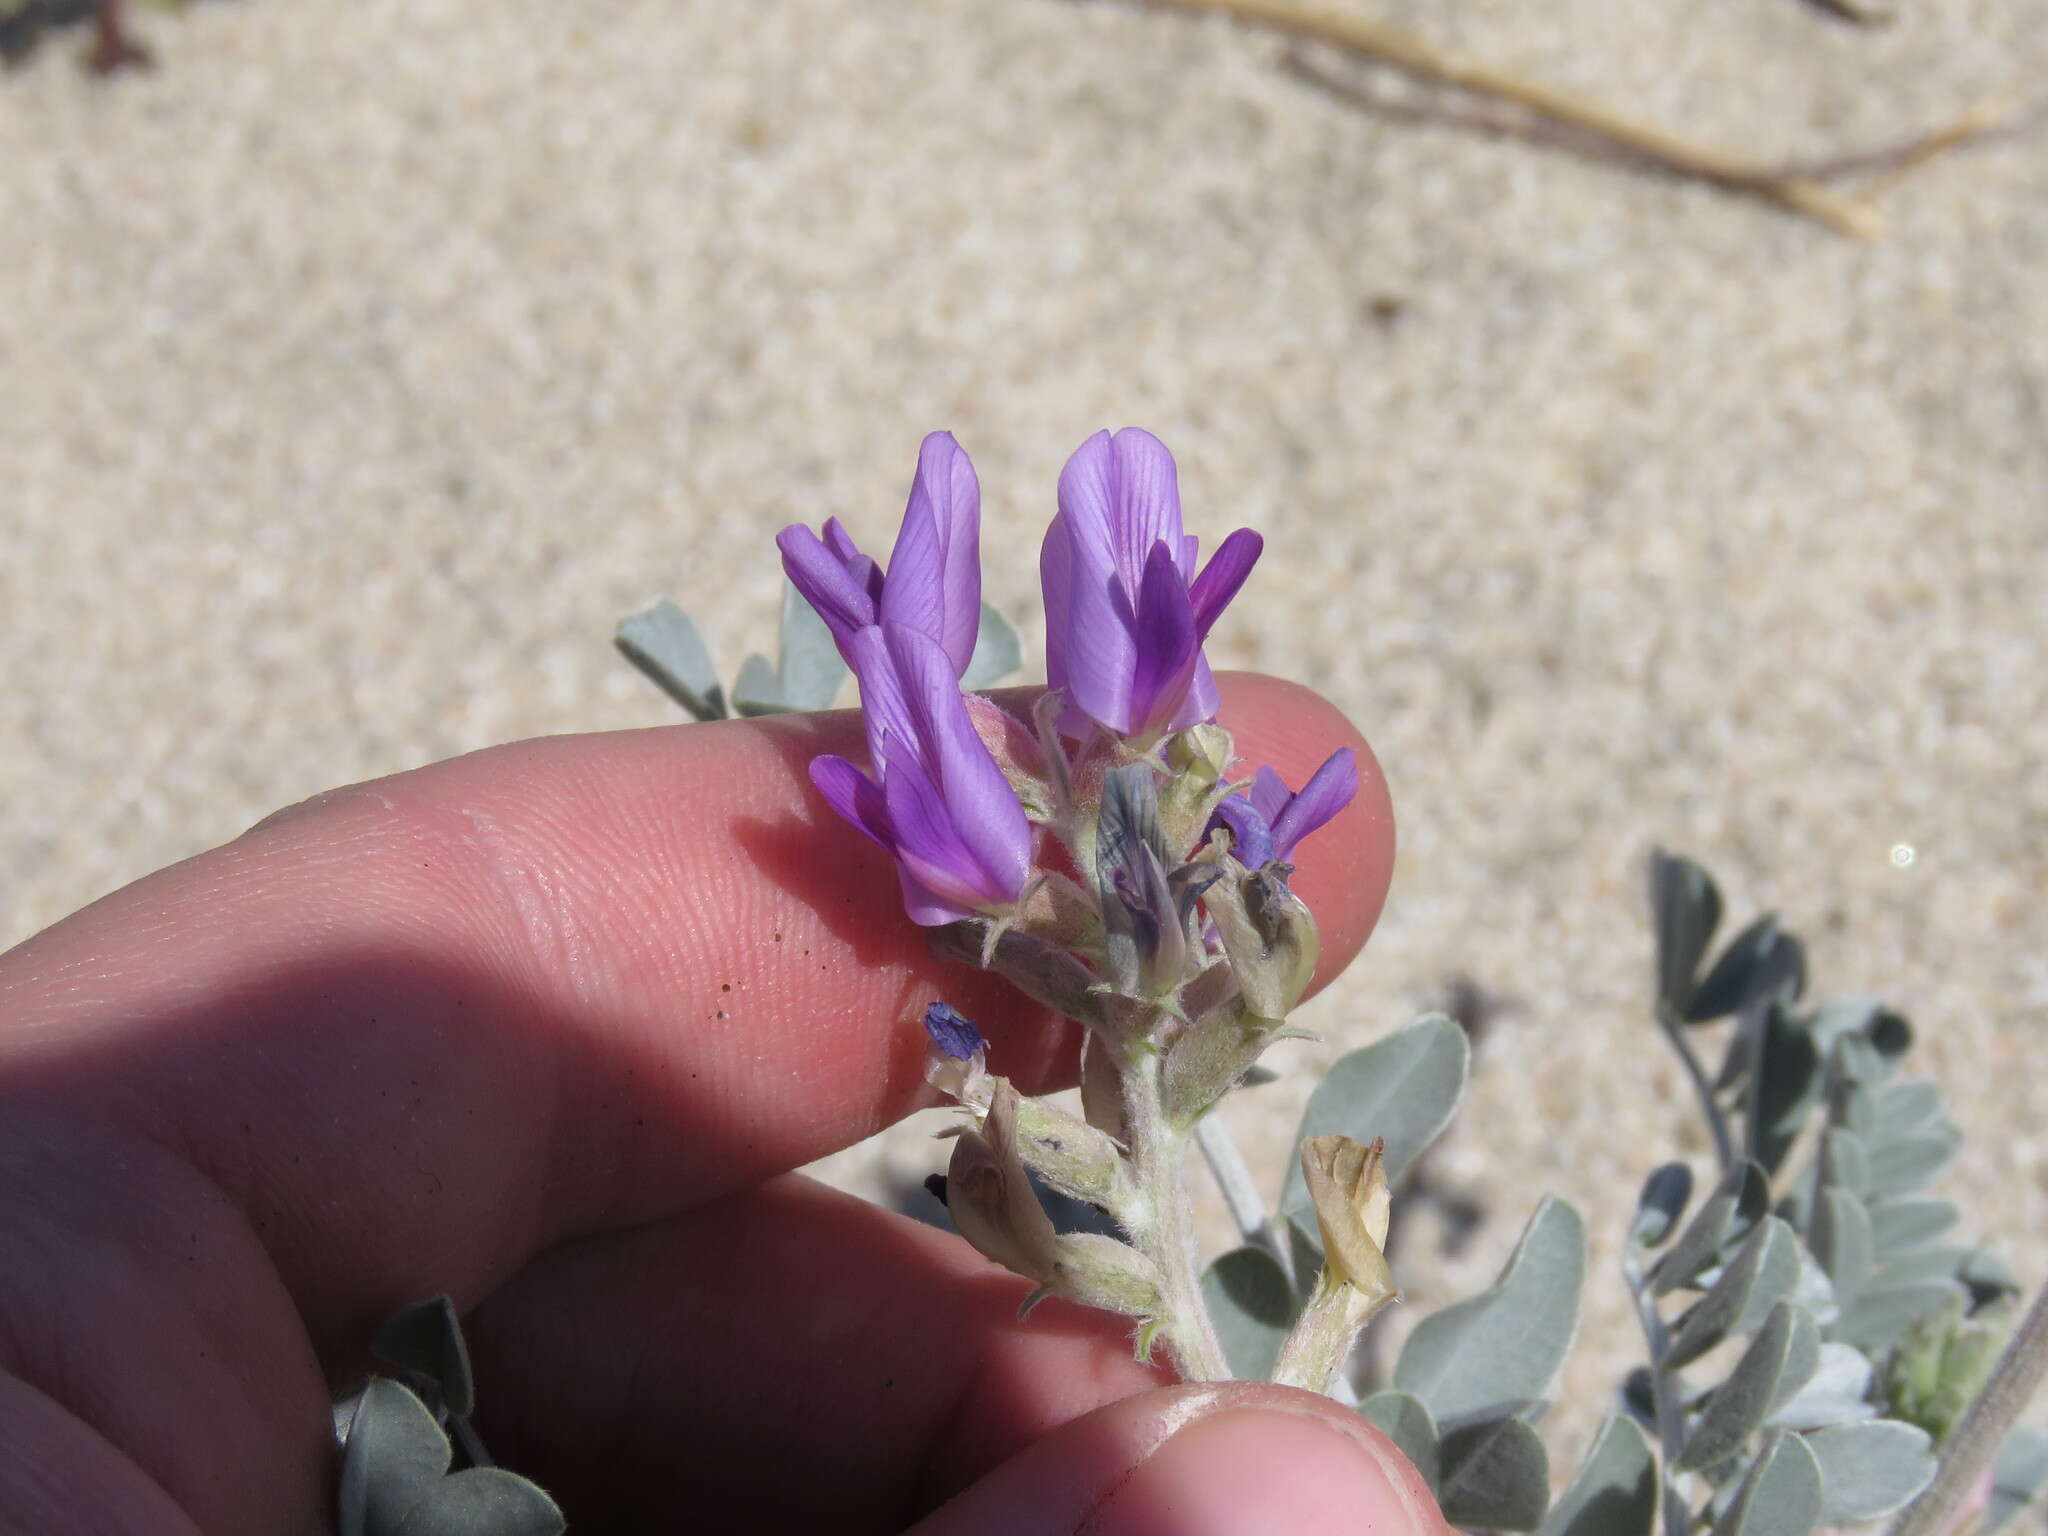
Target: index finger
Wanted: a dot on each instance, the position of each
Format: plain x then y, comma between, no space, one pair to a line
548,989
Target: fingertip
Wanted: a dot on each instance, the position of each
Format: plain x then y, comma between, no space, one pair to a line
1234,1459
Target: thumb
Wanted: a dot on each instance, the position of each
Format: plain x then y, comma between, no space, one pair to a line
1224,1459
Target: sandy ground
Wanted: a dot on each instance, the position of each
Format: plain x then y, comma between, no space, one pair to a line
363,364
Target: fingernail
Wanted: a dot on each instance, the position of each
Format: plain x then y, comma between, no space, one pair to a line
1251,1472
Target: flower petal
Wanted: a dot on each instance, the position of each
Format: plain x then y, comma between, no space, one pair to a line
934,581
1269,792
1056,587
818,573
1329,789
1167,647
984,810
884,710
1121,494
1251,839
1221,578
1101,651
928,841
1147,505
854,796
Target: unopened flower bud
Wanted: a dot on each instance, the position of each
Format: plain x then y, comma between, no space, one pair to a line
1268,935
1197,758
1349,1191
991,1200
1099,1271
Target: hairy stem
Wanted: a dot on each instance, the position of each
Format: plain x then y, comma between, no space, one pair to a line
1165,1233
1974,1444
1320,1342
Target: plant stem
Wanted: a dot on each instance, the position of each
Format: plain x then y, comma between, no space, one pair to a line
1717,1122
1670,1426
1976,1440
1409,53
1318,1345
1166,1232
1241,1192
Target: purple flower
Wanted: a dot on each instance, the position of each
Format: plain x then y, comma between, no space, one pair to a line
1125,613
952,1032
938,802
1267,823
934,579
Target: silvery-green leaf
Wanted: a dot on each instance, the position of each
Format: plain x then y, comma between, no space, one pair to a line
997,652
1779,1496
483,1501
1901,1166
1875,1319
1896,1225
1738,1202
758,691
2021,1474
1257,1076
1918,1266
1407,1423
1404,1088
1814,1291
662,642
1685,907
1715,1315
1252,1306
1789,1341
809,668
1870,1469
1495,1476
1761,961
1840,1239
1777,1277
1785,1082
1905,1107
1837,1392
1844,1161
395,1455
427,1337
1853,1107
1615,1493
1662,1202
1988,1278
1501,1348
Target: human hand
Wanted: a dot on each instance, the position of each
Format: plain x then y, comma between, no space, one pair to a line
544,1028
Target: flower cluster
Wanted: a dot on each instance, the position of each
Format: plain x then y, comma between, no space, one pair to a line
956,789
1106,852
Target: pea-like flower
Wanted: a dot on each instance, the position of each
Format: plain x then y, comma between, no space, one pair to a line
938,802
933,583
1125,611
1268,821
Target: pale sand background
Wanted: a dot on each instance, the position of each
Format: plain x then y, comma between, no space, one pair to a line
360,367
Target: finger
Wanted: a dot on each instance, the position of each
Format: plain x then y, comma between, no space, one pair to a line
689,1365
547,989
1232,1459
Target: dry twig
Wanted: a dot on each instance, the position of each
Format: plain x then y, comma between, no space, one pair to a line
1799,190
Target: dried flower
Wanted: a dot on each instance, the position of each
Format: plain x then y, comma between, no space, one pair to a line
1125,613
